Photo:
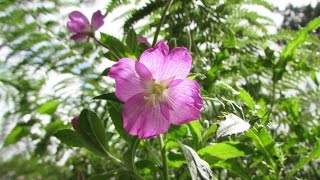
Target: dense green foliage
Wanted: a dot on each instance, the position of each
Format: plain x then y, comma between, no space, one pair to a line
271,81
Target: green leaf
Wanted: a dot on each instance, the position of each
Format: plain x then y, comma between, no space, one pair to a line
115,112
248,100
105,72
15,135
196,75
176,132
91,130
231,41
132,40
199,169
54,126
108,97
210,132
48,108
69,137
117,48
315,154
176,159
266,145
233,167
300,38
196,129
232,125
111,56
224,150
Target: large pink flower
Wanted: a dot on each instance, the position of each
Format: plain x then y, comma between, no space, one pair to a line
80,25
155,90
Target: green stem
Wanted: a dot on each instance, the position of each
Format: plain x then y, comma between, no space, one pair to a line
133,155
101,43
164,157
162,20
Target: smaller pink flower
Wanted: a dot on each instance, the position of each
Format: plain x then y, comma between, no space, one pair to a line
142,39
80,25
74,122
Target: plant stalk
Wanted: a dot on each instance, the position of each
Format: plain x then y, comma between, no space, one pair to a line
162,20
162,139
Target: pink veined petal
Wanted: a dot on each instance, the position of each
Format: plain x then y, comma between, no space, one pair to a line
153,58
97,20
144,40
78,22
143,120
128,82
79,37
143,71
185,101
177,64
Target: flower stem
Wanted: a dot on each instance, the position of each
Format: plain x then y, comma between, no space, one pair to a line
162,20
164,157
101,43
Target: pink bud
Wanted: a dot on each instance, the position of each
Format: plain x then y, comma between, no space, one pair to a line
74,122
144,40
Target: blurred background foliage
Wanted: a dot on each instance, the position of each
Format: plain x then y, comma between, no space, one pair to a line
271,80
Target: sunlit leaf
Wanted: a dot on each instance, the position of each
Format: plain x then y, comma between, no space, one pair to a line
199,169
224,150
48,108
232,125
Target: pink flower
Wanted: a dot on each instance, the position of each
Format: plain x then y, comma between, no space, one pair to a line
74,122
155,90
81,26
144,40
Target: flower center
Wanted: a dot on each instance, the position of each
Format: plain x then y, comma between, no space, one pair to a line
155,92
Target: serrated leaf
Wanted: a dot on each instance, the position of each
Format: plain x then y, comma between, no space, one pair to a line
199,169
232,125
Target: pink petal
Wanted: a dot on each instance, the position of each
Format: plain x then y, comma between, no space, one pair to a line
144,40
97,20
185,101
78,22
143,71
153,58
163,65
128,82
177,64
143,120
79,37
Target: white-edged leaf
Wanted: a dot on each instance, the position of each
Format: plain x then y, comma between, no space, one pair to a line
199,169
232,125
